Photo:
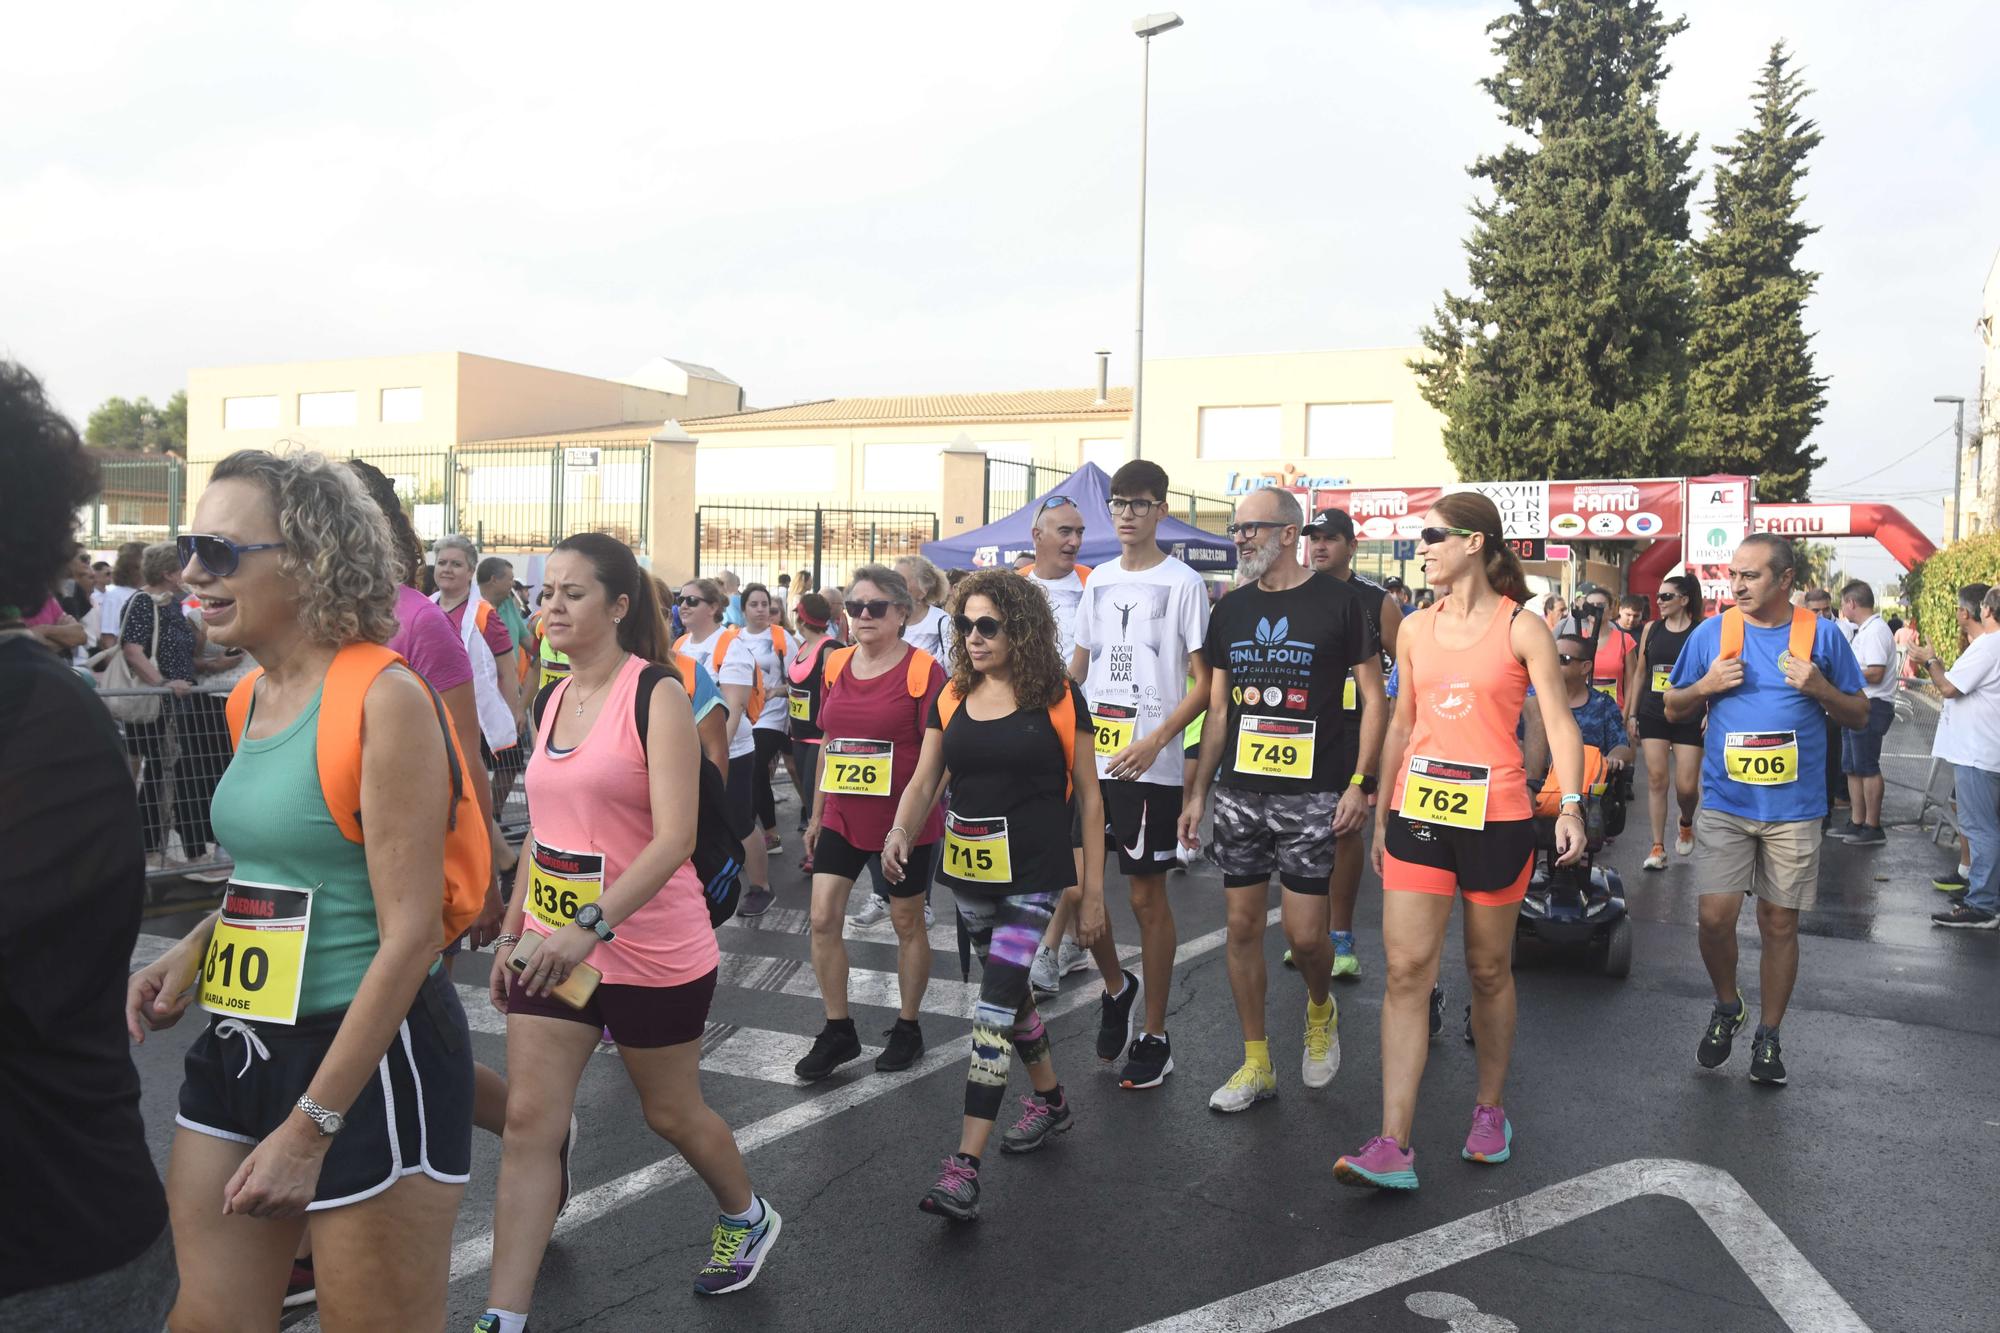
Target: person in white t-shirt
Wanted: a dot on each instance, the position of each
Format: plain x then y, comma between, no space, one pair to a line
1139,625
930,630
1058,536
1968,736
728,658
764,634
1861,751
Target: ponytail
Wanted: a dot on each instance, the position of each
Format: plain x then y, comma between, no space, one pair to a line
643,631
1477,513
1504,572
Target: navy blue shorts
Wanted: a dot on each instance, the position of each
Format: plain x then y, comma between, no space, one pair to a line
415,1115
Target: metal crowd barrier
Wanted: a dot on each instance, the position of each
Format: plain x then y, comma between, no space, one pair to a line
176,760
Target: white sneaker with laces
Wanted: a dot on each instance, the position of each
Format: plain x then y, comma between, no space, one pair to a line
1684,840
1042,975
1072,957
1321,1060
872,913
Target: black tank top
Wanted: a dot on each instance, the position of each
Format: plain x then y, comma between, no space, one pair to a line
1663,649
1008,813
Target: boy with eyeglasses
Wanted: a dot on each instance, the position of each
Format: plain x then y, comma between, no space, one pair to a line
1139,627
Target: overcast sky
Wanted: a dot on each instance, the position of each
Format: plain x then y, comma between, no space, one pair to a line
864,198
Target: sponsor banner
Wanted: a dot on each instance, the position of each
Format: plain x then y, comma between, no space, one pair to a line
1383,513
1803,520
1523,505
1549,510
1614,510
1718,518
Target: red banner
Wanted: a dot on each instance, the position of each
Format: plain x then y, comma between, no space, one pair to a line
1554,510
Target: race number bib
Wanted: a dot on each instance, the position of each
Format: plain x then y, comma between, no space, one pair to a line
256,958
800,705
1606,686
1444,791
1348,698
1663,679
975,850
552,671
1761,758
561,883
1275,747
1114,724
858,768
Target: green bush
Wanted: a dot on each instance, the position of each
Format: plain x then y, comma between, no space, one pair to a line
1931,588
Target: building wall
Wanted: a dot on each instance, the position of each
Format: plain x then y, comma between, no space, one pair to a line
498,399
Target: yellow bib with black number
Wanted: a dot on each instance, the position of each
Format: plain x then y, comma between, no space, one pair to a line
1444,791
1608,688
857,768
975,850
1761,758
1114,725
1275,747
1663,679
553,671
256,961
562,883
800,705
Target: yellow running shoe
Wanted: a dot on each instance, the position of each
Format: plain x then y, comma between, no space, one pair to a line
1246,1087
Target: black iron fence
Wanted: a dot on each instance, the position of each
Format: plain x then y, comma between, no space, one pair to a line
760,542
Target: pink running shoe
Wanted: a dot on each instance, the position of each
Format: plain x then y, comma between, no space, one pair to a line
1381,1163
1492,1136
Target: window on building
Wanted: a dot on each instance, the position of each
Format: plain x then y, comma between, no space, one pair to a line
1107,454
337,408
402,405
258,413
900,467
1239,432
1351,430
763,470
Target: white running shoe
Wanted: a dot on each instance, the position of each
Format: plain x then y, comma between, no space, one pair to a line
1684,840
1246,1087
1071,957
1042,975
873,912
929,919
1322,1057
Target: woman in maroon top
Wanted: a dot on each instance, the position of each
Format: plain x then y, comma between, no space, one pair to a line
873,706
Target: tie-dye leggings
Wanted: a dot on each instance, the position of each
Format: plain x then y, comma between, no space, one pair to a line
1005,934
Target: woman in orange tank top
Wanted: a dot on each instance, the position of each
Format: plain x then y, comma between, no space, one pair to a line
1459,820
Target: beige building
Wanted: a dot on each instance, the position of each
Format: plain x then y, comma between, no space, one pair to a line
1219,425
387,405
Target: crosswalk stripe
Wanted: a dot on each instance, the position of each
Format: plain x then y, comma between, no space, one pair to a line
760,1054
798,921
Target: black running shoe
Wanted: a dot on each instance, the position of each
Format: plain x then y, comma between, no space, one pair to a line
1040,1121
1950,883
1437,1012
1766,1059
835,1045
1720,1036
906,1044
1115,1020
1147,1063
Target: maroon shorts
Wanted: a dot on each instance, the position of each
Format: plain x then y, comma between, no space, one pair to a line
641,1017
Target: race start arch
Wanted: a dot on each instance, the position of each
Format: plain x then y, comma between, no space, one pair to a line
1695,522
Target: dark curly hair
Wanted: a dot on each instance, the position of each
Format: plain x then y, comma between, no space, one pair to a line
404,536
1038,671
45,476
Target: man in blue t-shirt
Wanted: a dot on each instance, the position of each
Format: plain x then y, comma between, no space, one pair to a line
1763,783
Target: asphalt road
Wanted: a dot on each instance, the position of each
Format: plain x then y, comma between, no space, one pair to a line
1644,1192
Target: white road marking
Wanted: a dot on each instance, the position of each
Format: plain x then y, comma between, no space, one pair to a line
475,1254
798,921
767,1056
1795,1289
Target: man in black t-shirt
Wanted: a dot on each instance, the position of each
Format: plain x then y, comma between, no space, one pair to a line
1279,649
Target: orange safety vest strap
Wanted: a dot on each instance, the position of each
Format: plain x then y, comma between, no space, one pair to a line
687,668
1062,716
1082,572
354,669
1805,628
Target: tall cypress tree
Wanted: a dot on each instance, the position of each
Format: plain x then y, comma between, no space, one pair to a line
1753,398
1569,358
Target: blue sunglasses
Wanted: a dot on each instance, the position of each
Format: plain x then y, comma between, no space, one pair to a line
218,555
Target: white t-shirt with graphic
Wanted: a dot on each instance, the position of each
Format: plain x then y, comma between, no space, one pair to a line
1063,594
1139,627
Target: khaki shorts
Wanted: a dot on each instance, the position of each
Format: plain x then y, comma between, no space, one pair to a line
1778,862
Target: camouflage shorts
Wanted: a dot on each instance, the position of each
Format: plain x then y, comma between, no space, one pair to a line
1258,833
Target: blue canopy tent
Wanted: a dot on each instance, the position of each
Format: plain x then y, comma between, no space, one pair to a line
999,542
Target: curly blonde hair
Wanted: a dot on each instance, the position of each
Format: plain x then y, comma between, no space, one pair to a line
338,552
1036,664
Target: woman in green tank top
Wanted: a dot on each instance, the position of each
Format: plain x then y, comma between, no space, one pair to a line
335,1076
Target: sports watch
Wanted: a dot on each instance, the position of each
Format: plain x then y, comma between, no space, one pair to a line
591,917
330,1122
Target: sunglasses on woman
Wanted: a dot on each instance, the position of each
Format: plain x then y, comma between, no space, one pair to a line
1571,660
1436,536
218,555
875,608
986,627
696,601
1666,596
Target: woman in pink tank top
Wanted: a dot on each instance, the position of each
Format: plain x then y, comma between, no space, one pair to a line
607,881
1459,820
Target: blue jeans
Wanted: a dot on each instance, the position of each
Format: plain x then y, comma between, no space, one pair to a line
1979,824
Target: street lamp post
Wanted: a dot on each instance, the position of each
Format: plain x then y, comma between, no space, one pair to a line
1147,28
1957,458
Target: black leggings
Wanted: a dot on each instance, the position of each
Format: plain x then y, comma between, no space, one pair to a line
763,801
1005,933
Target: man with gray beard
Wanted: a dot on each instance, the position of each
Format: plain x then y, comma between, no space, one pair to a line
1279,649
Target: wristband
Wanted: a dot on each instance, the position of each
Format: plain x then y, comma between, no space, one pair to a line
1566,810
1356,779
1571,798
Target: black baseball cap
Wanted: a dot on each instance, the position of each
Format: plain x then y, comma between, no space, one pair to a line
1394,584
1331,523
1586,588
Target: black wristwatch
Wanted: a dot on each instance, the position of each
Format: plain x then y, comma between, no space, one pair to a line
591,917
1369,786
